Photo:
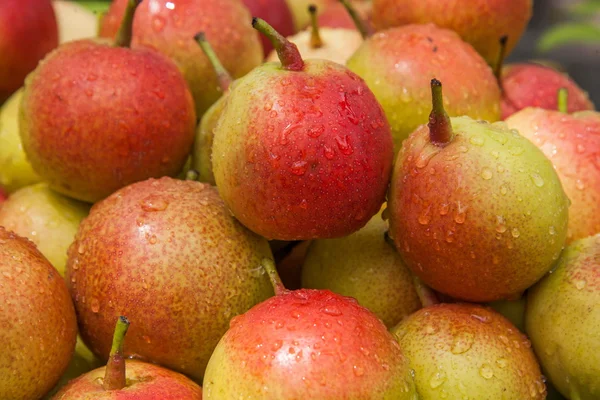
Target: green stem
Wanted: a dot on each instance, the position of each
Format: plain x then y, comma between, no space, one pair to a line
192,175
500,61
222,74
563,98
361,25
269,266
315,39
440,127
125,32
286,51
114,375
425,293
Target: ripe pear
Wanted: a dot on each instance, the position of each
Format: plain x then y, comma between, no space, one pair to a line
15,170
169,254
513,310
97,116
477,211
74,21
312,152
275,12
307,344
563,320
467,351
479,22
571,142
334,44
37,319
365,266
298,9
336,15
48,219
397,65
169,26
28,33
130,379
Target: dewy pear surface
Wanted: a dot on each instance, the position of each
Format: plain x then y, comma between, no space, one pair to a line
480,219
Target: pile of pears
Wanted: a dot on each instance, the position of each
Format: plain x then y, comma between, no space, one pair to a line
290,199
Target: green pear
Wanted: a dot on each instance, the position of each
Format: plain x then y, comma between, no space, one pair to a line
365,266
563,321
513,310
15,169
47,218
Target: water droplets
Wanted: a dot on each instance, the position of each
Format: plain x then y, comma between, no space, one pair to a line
580,284
344,144
331,310
477,140
437,379
425,216
486,174
462,343
153,204
500,224
486,371
460,214
358,370
328,152
299,167
158,24
579,184
537,180
95,305
515,233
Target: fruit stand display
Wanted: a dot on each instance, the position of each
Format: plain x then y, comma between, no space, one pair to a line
294,199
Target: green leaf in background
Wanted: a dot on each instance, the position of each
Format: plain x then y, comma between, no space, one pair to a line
97,6
568,33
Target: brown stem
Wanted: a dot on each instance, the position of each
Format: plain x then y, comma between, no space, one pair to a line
440,127
286,51
315,39
125,32
114,375
500,61
222,74
361,25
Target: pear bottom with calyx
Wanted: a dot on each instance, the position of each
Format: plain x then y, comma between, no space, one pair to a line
466,351
563,320
364,266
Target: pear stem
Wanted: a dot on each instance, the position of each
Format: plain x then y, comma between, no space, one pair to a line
286,51
222,74
361,26
440,127
269,266
500,61
315,39
563,98
125,32
114,375
426,295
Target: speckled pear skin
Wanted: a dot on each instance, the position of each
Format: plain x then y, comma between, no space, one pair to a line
47,218
167,254
534,85
572,143
399,63
366,267
480,219
479,22
38,322
144,382
563,320
308,344
95,118
467,351
299,155
170,25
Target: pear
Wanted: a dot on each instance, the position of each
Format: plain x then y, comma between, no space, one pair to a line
467,351
562,319
38,321
48,219
477,211
365,266
15,170
74,21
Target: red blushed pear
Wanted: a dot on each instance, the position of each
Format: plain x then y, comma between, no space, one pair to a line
97,116
123,378
169,26
478,22
307,344
336,14
397,64
28,32
572,143
277,13
311,157
476,210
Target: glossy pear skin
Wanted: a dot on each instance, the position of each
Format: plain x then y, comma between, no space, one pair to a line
167,254
534,85
571,142
311,344
480,219
48,219
480,23
365,266
399,63
466,351
302,154
37,318
15,170
144,382
169,26
563,320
